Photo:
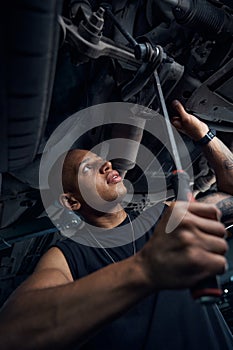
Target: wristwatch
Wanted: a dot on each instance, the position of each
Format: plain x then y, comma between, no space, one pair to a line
207,138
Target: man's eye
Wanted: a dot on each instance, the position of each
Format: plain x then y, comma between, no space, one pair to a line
86,168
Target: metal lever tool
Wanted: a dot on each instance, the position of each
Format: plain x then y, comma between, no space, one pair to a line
207,291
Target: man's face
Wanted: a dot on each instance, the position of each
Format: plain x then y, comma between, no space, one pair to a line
98,185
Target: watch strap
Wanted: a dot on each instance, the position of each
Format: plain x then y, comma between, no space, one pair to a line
207,138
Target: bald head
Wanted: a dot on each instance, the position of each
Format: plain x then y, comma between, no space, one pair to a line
64,170
70,169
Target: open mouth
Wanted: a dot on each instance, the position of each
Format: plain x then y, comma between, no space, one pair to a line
113,177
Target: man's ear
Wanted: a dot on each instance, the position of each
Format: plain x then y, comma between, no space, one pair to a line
69,201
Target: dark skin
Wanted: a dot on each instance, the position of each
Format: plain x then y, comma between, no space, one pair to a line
51,310
217,154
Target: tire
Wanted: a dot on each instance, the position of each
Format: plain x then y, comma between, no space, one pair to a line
30,38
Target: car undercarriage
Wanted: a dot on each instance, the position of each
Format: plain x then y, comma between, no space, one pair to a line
63,57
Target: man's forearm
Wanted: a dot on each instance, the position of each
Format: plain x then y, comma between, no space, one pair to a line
220,159
219,156
60,317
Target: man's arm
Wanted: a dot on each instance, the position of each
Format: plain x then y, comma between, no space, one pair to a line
218,155
51,311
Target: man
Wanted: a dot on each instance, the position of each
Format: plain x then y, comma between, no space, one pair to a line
110,298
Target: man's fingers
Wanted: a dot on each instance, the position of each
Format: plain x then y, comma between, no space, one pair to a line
205,210
178,106
176,122
214,264
214,228
182,120
201,216
212,243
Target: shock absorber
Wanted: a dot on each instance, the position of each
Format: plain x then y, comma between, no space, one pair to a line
202,16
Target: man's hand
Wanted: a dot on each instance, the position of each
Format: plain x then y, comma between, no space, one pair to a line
219,157
193,251
188,123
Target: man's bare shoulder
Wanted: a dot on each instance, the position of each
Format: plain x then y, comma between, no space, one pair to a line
51,271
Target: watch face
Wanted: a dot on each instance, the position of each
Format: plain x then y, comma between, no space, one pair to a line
210,134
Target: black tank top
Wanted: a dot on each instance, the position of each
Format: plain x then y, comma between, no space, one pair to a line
170,320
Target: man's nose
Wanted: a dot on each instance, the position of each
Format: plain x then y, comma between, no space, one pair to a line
106,166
